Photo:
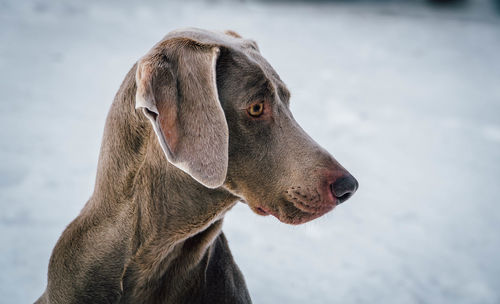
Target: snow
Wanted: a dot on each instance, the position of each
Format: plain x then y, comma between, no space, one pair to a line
405,96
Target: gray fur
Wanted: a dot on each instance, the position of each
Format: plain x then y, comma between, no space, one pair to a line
151,232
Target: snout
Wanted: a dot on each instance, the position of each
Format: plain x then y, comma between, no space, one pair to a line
343,188
331,187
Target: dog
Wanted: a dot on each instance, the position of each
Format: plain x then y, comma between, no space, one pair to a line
201,122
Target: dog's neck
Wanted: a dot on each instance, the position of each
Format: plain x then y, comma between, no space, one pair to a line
165,206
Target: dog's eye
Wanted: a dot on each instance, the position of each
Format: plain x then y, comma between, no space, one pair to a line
256,110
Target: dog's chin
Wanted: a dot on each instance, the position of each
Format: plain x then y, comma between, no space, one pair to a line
290,213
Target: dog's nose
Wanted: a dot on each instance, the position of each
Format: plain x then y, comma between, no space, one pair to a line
344,187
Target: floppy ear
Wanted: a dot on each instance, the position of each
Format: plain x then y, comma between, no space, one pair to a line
177,91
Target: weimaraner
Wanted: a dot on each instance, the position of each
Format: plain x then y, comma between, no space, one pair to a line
201,122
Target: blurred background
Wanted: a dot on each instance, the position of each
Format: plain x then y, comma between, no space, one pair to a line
405,94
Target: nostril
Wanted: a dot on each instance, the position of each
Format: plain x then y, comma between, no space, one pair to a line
344,197
344,187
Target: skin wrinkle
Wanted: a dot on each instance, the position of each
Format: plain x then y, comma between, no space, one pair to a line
151,231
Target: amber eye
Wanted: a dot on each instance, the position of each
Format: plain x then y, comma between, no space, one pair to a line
256,110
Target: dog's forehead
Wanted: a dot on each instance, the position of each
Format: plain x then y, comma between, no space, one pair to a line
245,49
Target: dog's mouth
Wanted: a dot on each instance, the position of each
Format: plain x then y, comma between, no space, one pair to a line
294,213
261,211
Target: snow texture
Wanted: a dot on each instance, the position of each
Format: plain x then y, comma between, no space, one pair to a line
405,96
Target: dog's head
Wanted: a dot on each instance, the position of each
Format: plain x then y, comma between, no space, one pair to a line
221,114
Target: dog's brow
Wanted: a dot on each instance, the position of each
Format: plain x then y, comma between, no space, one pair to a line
261,95
264,88
284,94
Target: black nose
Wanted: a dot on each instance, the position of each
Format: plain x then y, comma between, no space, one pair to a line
344,187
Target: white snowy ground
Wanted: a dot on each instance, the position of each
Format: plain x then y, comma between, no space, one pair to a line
407,98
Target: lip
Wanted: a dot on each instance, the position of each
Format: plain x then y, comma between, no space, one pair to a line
260,211
314,209
301,213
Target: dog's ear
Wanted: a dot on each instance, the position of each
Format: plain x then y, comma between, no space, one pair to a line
176,88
